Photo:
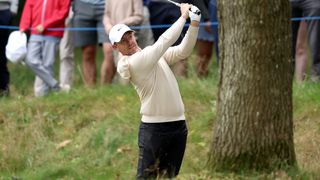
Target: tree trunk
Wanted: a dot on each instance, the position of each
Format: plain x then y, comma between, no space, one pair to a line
254,128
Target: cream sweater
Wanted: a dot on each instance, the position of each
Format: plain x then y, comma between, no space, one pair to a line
155,83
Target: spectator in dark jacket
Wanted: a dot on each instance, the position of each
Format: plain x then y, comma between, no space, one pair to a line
7,9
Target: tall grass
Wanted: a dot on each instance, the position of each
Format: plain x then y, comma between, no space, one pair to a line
92,133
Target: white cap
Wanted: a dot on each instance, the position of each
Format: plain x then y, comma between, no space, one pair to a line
16,48
117,31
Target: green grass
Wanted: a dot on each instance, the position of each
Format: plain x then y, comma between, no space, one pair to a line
92,133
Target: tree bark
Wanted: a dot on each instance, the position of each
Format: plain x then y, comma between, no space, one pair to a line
254,128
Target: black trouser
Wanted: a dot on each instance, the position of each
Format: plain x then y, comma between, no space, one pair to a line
5,19
161,149
308,8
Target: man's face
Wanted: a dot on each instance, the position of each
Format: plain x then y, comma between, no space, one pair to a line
128,44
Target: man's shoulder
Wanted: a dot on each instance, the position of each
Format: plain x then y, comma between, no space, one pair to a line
123,58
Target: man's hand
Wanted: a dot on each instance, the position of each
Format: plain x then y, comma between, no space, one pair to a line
194,14
184,9
207,27
40,28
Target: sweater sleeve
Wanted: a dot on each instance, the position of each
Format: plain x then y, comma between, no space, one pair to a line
61,14
25,20
143,62
152,54
184,49
137,15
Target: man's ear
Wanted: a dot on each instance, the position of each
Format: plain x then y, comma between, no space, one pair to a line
114,46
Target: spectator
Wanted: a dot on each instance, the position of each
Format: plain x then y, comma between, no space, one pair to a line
163,131
66,50
40,16
301,52
308,8
89,13
8,8
213,12
66,59
129,12
163,12
207,37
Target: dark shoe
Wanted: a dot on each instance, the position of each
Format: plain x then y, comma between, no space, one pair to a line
56,88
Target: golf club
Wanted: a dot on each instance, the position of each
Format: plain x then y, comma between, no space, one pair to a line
177,4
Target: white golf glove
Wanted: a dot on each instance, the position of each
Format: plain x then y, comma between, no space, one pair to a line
194,13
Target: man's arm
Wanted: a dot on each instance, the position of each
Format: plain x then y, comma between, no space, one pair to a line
106,19
25,20
152,54
184,49
61,13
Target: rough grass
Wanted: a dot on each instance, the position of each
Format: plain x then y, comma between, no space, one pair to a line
92,133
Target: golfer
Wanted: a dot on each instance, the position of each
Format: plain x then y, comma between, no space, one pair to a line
163,131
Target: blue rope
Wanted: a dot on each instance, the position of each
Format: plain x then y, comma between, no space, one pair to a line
305,18
141,27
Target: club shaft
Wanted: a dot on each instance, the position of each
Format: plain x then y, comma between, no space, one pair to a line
177,4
